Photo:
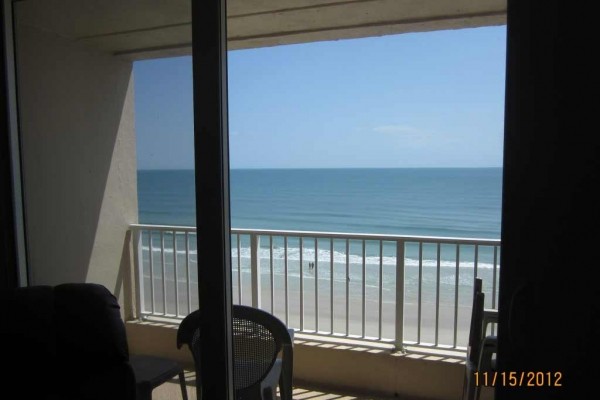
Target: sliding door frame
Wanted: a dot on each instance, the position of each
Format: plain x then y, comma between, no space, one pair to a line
209,56
13,253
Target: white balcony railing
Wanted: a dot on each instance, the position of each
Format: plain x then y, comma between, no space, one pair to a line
406,290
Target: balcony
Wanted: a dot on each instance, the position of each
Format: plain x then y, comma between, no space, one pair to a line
393,320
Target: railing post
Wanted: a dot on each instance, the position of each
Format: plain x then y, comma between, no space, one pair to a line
255,269
399,338
138,269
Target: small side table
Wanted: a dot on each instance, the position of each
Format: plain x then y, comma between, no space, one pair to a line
151,372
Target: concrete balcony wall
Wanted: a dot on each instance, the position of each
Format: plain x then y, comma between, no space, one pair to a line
79,160
337,364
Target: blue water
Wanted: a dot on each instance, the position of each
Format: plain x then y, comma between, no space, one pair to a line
455,202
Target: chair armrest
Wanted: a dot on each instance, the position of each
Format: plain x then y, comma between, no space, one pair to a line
490,316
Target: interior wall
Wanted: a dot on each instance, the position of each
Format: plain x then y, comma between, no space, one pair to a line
79,164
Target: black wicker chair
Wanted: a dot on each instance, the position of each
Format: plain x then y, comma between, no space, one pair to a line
258,340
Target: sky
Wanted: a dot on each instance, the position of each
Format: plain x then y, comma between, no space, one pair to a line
432,99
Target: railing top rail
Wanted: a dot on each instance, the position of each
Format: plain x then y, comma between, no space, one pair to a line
337,235
170,228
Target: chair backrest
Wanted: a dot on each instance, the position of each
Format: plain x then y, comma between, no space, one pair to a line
477,286
258,337
90,330
77,323
74,335
475,333
477,289
257,340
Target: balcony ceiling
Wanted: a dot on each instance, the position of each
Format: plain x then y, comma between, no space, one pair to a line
139,29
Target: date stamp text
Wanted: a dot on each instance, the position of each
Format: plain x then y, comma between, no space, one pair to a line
519,379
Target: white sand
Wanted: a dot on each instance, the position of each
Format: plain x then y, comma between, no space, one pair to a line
355,323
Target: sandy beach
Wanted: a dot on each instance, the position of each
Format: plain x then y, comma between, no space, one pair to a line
353,320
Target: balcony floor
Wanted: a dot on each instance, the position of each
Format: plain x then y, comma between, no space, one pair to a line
170,391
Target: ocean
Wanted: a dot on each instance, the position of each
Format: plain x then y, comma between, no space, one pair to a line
446,202
455,202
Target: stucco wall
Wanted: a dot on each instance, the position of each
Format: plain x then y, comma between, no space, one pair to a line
79,163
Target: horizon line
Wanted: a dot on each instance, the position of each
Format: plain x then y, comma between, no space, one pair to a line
316,168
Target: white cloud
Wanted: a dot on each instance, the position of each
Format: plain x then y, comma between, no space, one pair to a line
399,130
